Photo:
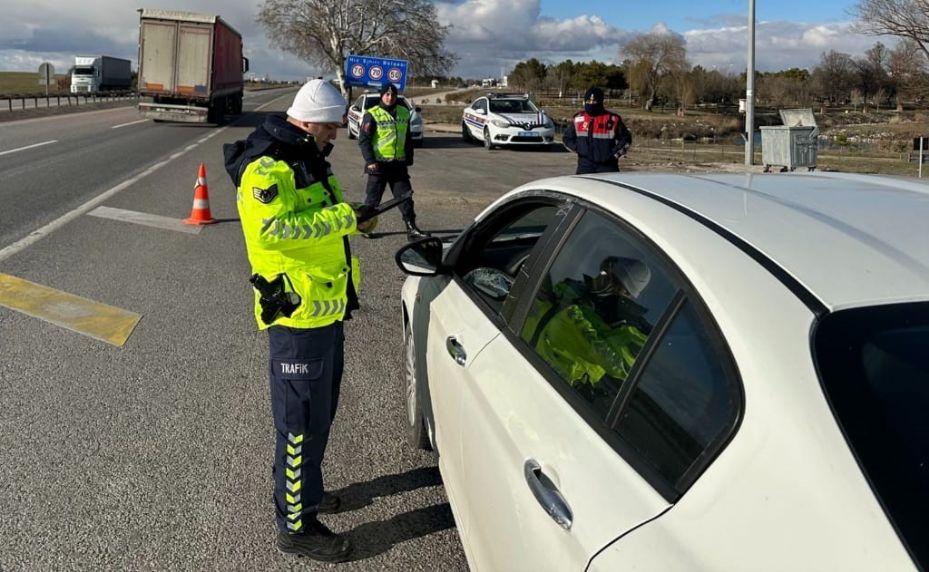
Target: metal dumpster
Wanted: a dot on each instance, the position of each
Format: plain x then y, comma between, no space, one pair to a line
792,144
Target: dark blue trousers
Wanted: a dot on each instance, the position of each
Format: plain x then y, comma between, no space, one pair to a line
586,166
306,372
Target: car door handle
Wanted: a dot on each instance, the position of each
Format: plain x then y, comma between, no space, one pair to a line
456,350
548,495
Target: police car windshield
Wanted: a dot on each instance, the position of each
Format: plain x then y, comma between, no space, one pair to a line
372,101
512,106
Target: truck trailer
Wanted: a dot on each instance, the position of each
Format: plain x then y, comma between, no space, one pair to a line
92,74
191,65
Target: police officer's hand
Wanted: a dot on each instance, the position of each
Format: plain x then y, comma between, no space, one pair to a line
364,211
372,168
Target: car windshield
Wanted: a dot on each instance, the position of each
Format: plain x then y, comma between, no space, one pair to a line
512,106
874,366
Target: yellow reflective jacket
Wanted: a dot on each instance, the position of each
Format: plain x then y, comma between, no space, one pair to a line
389,141
298,232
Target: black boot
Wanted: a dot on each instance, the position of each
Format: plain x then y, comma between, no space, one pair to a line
413,232
317,542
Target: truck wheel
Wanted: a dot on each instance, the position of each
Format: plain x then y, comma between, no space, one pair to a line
214,113
237,105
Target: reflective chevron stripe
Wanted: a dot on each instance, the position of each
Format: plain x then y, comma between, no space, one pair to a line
327,308
294,482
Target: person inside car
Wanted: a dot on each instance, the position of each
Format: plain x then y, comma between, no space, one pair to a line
593,327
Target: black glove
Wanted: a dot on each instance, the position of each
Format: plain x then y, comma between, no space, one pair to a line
363,213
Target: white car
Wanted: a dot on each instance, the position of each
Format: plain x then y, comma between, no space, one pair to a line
500,119
680,372
368,100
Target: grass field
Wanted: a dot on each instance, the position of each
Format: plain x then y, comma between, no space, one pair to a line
24,83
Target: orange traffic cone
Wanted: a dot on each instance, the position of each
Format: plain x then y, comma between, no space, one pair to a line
200,214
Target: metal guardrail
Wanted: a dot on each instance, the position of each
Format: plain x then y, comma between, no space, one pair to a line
16,102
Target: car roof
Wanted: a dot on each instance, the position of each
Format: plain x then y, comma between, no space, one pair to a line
849,240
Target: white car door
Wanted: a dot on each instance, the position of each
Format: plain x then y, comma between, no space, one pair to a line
463,322
457,333
572,437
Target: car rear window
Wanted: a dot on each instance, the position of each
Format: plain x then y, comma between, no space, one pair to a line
874,367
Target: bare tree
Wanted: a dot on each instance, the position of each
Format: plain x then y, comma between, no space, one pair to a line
907,68
908,19
834,76
325,32
650,58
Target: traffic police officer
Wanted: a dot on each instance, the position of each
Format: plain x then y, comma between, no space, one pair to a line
387,147
599,137
296,227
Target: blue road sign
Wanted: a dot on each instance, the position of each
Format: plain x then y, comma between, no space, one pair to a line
370,71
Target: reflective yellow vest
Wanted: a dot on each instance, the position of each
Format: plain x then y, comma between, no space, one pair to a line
298,233
390,139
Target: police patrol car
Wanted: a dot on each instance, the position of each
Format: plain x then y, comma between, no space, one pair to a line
506,119
368,100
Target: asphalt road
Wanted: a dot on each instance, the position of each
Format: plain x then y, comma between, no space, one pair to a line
156,455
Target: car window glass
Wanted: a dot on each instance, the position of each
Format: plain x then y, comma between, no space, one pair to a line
684,401
492,263
480,104
371,102
595,309
874,368
512,106
360,103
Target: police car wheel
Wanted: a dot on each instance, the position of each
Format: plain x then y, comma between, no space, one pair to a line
351,134
417,435
488,143
465,132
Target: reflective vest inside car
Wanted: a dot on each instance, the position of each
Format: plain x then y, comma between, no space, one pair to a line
390,139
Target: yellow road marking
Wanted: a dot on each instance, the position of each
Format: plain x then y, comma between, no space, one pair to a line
99,321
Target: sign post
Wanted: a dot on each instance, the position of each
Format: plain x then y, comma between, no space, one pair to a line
920,144
373,71
46,74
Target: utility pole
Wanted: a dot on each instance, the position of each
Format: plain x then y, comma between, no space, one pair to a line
750,89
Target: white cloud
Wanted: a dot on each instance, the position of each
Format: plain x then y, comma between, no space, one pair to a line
491,36
778,45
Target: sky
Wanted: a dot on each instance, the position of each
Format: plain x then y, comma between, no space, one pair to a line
489,36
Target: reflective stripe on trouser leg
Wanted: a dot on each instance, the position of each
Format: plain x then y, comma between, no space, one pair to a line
303,365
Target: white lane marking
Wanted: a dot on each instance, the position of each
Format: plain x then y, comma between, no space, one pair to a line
28,147
127,124
64,219
146,219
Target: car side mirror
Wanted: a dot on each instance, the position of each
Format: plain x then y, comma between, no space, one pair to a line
480,112
421,258
355,108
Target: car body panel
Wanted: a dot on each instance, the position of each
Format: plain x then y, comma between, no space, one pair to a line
514,415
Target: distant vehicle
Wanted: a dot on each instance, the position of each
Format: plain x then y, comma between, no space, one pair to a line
92,74
369,100
506,119
191,65
659,372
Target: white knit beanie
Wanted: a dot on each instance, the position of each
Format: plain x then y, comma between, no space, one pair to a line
318,101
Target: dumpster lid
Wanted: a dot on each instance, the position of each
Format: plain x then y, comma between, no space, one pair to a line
798,117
